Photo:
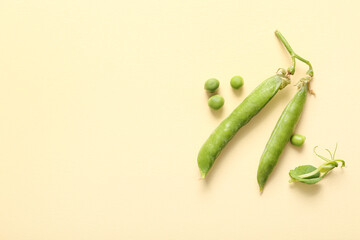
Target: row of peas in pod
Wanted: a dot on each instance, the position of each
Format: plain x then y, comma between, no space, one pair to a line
211,85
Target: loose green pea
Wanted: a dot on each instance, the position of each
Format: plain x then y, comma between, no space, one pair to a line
236,82
216,102
297,140
211,85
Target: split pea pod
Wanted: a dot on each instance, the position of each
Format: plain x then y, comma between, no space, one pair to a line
242,114
281,134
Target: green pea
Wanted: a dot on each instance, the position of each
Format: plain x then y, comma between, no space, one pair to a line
236,82
211,85
297,140
216,102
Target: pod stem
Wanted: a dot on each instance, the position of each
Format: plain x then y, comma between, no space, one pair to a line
291,70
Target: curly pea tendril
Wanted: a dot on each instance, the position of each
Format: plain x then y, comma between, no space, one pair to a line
291,69
310,174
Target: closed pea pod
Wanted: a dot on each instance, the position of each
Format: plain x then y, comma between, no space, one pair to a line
242,114
281,134
287,122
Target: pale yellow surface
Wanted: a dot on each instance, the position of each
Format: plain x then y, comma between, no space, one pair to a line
102,114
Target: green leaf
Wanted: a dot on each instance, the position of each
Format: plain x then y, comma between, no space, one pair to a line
309,181
296,174
305,169
310,175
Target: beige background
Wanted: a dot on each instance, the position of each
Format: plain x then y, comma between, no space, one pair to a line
102,113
